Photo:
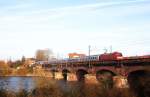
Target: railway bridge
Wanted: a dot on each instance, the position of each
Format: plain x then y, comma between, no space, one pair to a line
134,70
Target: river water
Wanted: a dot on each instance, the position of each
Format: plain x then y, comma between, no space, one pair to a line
28,83
17,83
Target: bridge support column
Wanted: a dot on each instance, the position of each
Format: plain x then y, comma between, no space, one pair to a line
120,82
58,75
90,78
71,77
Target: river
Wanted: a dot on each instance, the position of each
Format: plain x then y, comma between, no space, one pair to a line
28,83
17,83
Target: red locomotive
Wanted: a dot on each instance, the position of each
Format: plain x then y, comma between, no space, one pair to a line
100,57
110,56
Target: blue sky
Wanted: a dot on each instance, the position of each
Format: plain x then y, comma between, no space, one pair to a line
71,25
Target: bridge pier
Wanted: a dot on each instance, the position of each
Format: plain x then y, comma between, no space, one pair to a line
120,82
90,78
71,77
65,76
58,75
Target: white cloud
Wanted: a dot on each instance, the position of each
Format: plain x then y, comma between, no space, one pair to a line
58,12
45,16
51,27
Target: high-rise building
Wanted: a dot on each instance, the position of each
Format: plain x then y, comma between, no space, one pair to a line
43,55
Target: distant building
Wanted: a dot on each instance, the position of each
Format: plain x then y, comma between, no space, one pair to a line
44,55
76,55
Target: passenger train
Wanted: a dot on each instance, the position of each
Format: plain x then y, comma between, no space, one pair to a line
101,57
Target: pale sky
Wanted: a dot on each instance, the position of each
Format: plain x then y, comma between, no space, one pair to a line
67,26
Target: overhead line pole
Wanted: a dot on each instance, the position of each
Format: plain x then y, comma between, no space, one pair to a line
89,56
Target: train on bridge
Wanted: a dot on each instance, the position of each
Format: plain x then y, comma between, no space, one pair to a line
99,57
106,57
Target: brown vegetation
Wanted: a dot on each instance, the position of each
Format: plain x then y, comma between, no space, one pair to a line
4,68
47,88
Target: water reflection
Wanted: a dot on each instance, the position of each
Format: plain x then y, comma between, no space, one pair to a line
29,83
17,83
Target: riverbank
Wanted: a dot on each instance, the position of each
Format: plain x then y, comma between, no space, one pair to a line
25,73
23,76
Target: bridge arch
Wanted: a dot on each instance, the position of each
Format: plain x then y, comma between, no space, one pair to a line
105,77
139,82
53,71
65,74
80,73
